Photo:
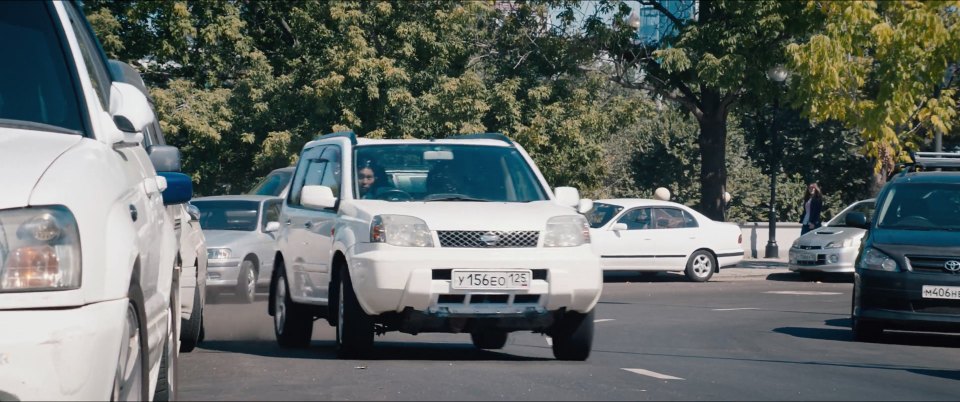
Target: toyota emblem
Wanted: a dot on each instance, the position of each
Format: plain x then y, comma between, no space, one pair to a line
952,266
491,239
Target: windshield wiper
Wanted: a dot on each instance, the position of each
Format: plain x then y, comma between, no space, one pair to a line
456,198
36,126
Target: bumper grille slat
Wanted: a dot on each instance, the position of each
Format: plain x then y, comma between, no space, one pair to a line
930,264
488,239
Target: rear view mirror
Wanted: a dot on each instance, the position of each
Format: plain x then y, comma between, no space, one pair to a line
130,108
437,156
165,158
857,220
318,197
179,188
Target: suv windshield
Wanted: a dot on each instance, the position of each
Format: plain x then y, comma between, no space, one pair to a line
428,172
601,214
228,215
273,184
921,206
36,90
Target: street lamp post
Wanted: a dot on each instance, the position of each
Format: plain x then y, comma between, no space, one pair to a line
777,74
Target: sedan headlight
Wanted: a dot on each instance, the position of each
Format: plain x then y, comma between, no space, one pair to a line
219,253
566,231
39,249
840,243
796,243
877,260
400,230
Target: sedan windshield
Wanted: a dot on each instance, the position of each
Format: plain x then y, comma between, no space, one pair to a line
601,214
863,207
228,215
428,172
921,206
36,91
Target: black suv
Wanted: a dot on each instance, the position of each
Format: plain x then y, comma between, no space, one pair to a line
908,270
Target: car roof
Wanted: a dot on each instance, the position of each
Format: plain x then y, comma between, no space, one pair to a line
440,141
283,169
637,202
236,197
927,177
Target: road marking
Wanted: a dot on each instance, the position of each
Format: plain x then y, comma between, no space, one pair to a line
604,320
801,292
653,374
549,341
735,309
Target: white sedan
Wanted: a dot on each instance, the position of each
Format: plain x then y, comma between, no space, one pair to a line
659,236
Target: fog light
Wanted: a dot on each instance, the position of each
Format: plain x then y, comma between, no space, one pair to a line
834,258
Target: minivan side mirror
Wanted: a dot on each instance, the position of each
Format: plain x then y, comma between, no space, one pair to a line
165,158
317,197
179,188
857,220
567,196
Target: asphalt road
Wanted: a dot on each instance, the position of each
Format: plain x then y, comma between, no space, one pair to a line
748,334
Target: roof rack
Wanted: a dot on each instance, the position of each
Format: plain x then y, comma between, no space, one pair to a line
481,136
345,134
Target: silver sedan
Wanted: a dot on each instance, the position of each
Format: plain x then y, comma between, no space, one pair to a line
240,241
833,247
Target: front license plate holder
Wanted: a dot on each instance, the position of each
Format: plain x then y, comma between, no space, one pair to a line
475,279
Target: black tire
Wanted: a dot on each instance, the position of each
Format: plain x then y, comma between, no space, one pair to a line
292,323
489,339
190,329
167,378
573,336
247,282
863,330
354,327
700,266
811,275
213,295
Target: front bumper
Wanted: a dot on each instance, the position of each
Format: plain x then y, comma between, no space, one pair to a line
832,260
223,273
393,279
61,354
896,299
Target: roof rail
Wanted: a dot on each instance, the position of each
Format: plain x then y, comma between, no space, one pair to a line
481,136
933,160
345,134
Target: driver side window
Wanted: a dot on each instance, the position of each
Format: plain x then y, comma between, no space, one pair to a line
637,219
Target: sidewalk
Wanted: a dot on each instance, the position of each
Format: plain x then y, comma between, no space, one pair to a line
756,267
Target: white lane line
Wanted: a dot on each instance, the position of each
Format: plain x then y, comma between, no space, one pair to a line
735,309
653,374
604,320
801,292
549,341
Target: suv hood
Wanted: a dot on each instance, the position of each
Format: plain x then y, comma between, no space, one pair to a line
466,215
917,238
29,153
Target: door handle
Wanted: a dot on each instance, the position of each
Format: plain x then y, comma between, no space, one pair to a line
308,224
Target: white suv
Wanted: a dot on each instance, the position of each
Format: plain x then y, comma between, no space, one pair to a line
88,287
450,235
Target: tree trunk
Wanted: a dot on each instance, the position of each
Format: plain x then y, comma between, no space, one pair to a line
713,161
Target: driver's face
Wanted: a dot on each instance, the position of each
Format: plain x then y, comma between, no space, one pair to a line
365,179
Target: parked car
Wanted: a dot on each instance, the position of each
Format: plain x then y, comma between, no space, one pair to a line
652,236
88,291
907,274
833,247
464,236
241,241
275,183
192,249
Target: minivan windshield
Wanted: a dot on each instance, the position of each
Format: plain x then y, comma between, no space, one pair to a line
920,206
228,214
36,89
448,172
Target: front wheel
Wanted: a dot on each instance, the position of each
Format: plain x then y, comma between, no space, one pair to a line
247,282
291,323
573,336
130,380
354,326
700,267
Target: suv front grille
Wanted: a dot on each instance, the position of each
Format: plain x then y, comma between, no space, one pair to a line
931,264
488,238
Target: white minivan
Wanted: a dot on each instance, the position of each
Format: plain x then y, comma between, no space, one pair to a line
89,293
458,235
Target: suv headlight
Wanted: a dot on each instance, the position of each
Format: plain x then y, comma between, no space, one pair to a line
566,231
400,230
839,243
218,253
877,260
39,249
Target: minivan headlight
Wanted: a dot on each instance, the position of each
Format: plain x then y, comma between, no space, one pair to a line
400,230
39,249
566,231
877,260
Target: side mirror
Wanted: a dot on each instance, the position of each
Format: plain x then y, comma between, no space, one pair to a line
567,196
179,188
857,220
618,227
585,205
317,197
130,108
165,158
194,212
271,227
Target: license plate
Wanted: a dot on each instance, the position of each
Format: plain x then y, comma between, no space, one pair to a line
465,279
806,257
941,292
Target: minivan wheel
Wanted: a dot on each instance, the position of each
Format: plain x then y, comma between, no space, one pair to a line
354,326
573,336
291,323
700,267
247,282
